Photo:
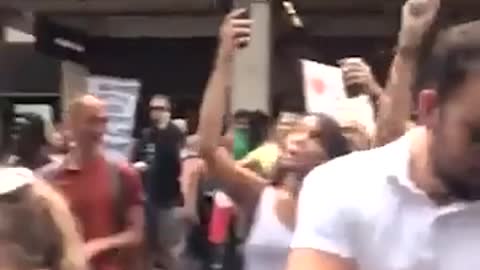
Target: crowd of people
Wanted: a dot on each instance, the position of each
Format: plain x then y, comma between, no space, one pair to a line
250,191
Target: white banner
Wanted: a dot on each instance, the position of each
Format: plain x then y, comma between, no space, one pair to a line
121,97
325,93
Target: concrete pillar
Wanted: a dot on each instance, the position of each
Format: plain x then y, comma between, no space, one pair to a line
251,78
74,82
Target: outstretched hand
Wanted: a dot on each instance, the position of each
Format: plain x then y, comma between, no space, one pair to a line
417,18
235,32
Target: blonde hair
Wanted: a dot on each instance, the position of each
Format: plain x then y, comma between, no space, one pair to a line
72,255
37,219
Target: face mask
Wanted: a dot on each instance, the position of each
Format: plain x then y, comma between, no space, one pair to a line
240,143
164,118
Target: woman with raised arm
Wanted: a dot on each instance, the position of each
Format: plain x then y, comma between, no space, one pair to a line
269,208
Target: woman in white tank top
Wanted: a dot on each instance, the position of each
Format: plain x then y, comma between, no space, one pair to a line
270,208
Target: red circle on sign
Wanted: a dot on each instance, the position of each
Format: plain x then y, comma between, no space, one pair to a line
318,85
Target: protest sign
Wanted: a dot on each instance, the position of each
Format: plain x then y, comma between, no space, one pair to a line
324,92
323,86
120,96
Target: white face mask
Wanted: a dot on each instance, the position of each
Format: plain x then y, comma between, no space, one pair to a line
164,118
161,114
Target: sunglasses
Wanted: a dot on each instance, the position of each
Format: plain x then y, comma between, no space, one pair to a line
159,108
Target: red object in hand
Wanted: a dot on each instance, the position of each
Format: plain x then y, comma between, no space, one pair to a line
220,221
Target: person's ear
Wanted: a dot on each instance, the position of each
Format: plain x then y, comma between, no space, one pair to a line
428,108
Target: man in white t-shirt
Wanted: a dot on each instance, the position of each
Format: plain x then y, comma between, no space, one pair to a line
415,203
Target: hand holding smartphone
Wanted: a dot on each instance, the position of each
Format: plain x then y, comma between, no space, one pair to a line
349,67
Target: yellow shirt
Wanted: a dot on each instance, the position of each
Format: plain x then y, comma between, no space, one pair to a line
266,155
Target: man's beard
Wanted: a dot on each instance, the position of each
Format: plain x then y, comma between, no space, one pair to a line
458,181
465,187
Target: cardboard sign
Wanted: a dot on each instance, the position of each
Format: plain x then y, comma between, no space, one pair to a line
121,97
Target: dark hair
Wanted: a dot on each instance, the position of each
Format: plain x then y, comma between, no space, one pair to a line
456,52
32,131
31,138
242,113
259,124
331,136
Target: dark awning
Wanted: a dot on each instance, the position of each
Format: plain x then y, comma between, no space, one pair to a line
25,72
60,41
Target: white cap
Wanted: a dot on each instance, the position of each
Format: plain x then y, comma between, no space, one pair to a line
12,179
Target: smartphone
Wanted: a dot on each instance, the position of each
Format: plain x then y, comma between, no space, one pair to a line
352,90
243,4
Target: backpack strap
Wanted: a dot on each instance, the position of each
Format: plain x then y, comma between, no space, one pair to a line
117,183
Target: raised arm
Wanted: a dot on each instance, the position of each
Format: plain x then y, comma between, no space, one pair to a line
242,185
417,19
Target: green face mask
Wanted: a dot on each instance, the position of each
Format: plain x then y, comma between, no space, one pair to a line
241,145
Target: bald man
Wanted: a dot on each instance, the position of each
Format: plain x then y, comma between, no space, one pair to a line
88,121
87,179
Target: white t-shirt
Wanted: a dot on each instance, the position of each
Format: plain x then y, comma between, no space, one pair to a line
364,207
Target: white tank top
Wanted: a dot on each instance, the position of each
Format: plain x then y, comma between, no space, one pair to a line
269,239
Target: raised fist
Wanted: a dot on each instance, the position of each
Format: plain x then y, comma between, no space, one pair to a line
417,18
235,32
358,77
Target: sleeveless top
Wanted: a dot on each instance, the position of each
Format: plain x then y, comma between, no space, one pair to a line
267,244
